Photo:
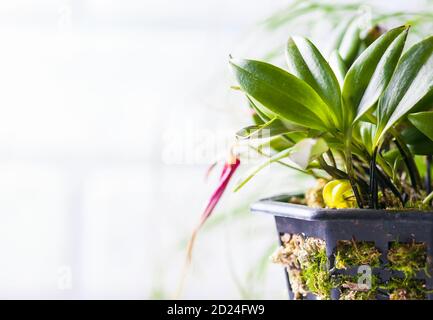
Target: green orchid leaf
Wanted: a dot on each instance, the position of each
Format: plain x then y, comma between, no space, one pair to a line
338,33
269,129
351,41
423,121
421,148
411,82
337,64
284,141
300,154
307,150
280,143
395,161
282,93
417,142
425,104
373,34
365,132
297,136
275,158
267,115
307,63
371,72
259,117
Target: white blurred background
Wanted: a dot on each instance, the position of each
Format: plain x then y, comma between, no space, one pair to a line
110,112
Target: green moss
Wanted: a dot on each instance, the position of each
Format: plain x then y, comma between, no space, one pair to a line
350,289
307,265
415,200
408,258
388,200
315,273
356,253
406,289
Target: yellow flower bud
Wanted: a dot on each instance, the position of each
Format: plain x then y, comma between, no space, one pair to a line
339,194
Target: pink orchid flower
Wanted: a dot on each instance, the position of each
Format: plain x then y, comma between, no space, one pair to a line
228,170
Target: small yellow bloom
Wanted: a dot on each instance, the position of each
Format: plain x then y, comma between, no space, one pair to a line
339,194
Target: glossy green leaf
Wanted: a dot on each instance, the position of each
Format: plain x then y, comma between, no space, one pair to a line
350,42
338,33
300,154
337,63
283,142
267,115
280,143
417,142
284,94
365,132
307,150
371,72
423,121
307,63
411,82
267,130
395,162
259,116
425,104
373,34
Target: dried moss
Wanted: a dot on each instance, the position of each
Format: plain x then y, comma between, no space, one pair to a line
314,196
356,253
307,265
297,200
408,258
351,289
406,289
388,200
287,255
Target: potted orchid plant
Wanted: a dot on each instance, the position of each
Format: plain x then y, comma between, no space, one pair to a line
360,123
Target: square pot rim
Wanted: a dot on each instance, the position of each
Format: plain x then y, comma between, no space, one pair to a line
280,207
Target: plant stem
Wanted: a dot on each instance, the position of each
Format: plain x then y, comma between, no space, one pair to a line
428,174
350,172
387,169
386,181
284,164
373,182
428,198
414,175
333,172
331,158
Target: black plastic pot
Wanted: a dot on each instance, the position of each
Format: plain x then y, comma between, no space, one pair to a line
379,226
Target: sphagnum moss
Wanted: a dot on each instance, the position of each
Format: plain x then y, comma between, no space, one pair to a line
356,253
315,271
406,289
314,196
408,258
350,289
287,255
307,265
